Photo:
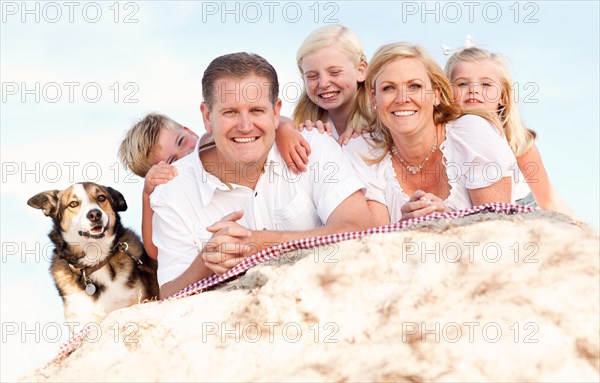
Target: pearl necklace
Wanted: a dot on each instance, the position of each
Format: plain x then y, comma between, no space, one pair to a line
415,169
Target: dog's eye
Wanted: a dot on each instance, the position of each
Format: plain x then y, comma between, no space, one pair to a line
73,204
101,198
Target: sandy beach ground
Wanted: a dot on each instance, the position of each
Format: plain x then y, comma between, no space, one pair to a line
481,298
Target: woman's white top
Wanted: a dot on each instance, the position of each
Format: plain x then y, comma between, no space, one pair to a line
475,155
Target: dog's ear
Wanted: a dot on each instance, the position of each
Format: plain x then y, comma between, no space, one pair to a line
118,199
47,201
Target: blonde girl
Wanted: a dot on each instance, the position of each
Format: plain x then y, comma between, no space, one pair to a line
333,67
481,81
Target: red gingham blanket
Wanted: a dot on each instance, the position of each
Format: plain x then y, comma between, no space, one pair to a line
307,243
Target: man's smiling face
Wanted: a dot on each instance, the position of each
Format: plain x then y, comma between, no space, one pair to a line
242,120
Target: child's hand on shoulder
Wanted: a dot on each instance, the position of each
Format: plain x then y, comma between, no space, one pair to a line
350,133
159,174
319,125
294,149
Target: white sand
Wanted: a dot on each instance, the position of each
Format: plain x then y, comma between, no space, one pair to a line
379,309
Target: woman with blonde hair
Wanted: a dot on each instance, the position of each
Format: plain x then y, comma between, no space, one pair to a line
481,81
423,155
333,65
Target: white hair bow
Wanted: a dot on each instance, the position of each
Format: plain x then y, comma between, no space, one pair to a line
469,43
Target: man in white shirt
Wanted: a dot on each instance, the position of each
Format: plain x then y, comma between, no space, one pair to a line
238,197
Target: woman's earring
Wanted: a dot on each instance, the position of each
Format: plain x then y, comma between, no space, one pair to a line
375,107
437,102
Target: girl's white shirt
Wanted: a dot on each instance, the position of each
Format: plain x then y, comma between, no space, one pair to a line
334,132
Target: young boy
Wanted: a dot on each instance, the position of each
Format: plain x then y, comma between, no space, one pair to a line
152,144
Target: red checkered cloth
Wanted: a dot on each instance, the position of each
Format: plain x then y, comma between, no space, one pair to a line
307,243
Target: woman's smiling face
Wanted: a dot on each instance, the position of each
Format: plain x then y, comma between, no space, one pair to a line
404,96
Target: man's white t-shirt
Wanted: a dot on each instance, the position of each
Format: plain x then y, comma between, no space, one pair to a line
281,200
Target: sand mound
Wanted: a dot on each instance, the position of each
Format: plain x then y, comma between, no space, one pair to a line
482,298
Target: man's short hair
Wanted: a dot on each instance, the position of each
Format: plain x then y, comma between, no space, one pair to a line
238,65
137,148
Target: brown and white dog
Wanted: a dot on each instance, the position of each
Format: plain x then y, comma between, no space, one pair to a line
98,265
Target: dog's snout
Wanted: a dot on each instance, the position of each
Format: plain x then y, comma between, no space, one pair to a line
94,215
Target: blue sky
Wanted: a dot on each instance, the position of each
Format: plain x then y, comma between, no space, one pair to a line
75,77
